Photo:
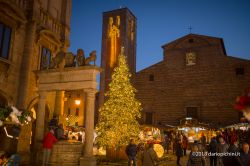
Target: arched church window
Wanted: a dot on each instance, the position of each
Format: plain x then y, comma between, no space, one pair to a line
5,36
46,58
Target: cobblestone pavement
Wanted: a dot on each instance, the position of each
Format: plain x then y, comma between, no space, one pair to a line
183,161
171,162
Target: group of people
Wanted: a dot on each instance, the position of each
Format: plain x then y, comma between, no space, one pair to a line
222,150
56,132
67,134
57,128
228,153
138,155
178,142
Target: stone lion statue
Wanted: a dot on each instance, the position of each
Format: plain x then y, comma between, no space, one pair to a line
58,61
92,57
80,58
69,59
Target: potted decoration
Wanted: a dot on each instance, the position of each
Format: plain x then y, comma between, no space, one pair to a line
13,115
11,120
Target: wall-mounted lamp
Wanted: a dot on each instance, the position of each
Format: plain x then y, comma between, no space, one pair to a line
77,102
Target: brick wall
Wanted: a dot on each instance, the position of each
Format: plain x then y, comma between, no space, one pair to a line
211,84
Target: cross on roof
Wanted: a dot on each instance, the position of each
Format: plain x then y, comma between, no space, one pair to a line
190,29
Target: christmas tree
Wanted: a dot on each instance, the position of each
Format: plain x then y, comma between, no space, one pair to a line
120,112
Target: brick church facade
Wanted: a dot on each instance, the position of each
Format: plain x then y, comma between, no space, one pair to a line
195,79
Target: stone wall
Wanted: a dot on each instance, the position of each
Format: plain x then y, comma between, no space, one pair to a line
34,24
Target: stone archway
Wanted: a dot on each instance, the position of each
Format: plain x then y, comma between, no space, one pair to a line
80,78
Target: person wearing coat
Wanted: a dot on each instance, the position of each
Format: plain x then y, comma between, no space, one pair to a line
140,154
245,155
232,160
131,151
48,142
222,147
194,158
179,151
213,149
150,156
184,144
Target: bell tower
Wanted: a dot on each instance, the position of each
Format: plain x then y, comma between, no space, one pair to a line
118,30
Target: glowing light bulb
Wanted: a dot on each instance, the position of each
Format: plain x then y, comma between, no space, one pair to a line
77,102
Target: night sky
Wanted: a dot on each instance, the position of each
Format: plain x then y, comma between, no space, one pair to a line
162,21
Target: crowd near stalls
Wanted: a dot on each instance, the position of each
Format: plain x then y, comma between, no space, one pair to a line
70,133
195,130
239,131
197,137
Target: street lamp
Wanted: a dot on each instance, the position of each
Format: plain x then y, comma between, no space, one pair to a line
77,102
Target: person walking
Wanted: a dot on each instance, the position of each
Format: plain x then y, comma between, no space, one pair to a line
131,151
173,140
53,123
232,160
150,156
184,144
194,158
222,147
48,142
59,132
140,154
212,150
179,151
244,155
166,143
203,141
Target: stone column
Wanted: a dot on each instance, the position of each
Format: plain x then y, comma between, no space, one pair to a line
59,105
25,74
88,158
40,115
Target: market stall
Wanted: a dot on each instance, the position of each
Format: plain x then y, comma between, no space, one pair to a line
194,130
239,131
239,126
150,134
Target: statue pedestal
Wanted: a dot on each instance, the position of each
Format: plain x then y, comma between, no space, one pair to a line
87,161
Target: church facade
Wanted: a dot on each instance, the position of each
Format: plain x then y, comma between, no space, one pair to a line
195,79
